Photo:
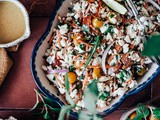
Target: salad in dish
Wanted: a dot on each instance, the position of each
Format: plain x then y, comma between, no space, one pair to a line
79,49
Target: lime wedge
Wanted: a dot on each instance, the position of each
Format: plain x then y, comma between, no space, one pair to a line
116,6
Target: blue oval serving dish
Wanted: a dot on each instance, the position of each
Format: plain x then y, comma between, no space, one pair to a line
51,92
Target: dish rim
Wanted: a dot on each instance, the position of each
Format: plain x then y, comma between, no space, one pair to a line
57,100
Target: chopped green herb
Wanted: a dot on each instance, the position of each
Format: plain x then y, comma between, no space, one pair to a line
81,77
54,78
109,30
81,46
97,42
112,15
142,111
104,95
67,82
156,113
71,68
85,29
151,46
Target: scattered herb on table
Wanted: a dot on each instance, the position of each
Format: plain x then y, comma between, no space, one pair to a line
143,112
47,106
90,99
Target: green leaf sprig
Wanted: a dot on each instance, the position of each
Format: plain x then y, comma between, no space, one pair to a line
151,46
156,113
96,43
91,94
66,108
90,99
47,105
142,111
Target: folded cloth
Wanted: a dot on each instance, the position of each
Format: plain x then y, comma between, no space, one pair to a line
5,64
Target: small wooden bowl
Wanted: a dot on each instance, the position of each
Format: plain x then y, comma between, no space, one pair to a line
14,23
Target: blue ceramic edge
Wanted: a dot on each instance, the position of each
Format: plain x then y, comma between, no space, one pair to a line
34,53
55,99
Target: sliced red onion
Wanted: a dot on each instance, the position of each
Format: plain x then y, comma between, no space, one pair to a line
154,4
104,58
57,71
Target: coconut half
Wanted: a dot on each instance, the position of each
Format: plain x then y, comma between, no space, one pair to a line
14,23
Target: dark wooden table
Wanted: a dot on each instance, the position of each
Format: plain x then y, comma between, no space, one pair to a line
17,94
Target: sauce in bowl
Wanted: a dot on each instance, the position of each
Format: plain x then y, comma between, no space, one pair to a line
12,22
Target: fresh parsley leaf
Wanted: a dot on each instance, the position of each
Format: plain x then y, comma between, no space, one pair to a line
85,29
67,82
91,97
104,95
47,116
64,110
83,116
143,111
54,78
156,113
81,46
109,30
151,46
71,68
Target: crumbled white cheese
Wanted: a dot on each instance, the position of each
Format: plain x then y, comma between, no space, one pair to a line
77,7
50,59
121,42
63,29
62,90
158,18
101,86
73,94
93,8
44,67
127,39
59,53
101,103
147,60
104,78
80,103
109,37
137,40
111,72
133,84
84,5
113,61
76,16
116,31
78,72
113,20
104,28
96,61
76,30
131,31
134,57
125,48
63,43
119,92
50,77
